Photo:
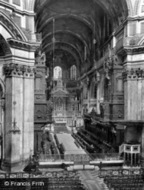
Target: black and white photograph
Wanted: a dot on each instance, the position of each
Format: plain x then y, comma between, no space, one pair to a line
71,94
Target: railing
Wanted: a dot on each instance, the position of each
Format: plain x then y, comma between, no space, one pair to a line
79,157
105,157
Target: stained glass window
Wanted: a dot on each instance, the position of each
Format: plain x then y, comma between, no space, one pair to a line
57,72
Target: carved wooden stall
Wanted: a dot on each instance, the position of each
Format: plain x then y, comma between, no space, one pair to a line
42,112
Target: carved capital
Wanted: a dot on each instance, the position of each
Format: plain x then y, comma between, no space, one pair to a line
29,71
136,73
10,70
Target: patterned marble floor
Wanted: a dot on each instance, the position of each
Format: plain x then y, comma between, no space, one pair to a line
91,180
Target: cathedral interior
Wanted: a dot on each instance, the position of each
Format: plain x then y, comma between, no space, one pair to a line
72,94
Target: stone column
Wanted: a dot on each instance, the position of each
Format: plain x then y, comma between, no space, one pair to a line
13,116
133,90
19,109
28,112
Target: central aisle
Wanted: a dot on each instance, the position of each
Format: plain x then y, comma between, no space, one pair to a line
91,180
69,144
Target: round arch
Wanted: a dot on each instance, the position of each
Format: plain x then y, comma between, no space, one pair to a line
13,30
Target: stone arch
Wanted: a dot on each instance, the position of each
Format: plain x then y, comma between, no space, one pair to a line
9,25
4,51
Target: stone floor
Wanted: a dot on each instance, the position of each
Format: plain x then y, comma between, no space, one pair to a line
91,180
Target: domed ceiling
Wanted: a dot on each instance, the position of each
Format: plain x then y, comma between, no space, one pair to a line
74,30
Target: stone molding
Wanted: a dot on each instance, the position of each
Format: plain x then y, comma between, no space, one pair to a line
17,70
136,73
17,44
129,50
16,10
135,50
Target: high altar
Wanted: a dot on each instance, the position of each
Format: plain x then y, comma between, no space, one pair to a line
65,106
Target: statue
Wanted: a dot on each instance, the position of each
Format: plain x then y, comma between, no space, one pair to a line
40,58
45,143
107,66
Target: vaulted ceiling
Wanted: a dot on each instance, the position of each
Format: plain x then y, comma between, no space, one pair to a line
75,26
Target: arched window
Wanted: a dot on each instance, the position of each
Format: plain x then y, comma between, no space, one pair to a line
57,73
73,73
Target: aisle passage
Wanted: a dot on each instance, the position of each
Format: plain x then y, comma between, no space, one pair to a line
91,180
68,142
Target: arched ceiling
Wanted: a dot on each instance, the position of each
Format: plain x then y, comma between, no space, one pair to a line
75,24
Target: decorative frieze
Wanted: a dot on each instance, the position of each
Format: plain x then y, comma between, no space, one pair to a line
18,70
136,73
